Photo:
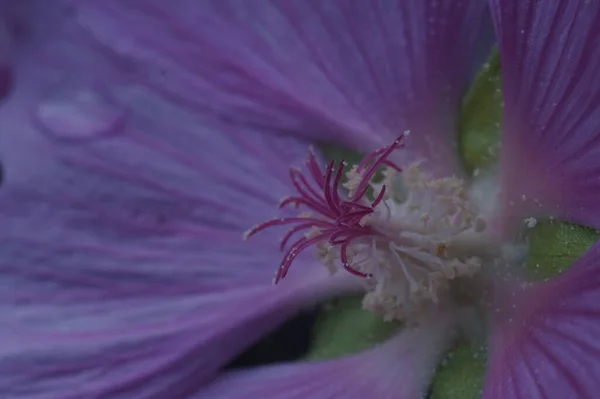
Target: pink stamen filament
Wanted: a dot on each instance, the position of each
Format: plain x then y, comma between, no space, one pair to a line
315,170
362,188
337,221
369,158
329,187
346,264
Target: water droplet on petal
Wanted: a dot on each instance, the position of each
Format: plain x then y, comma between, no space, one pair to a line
80,114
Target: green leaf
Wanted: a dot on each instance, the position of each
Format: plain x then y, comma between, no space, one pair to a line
481,116
460,375
344,328
554,246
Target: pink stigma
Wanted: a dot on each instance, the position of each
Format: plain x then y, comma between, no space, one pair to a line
332,219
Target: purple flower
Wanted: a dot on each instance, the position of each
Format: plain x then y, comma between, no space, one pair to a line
140,139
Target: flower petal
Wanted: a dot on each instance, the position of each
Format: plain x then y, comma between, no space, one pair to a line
545,337
551,141
89,313
399,368
77,125
358,71
155,162
5,55
123,272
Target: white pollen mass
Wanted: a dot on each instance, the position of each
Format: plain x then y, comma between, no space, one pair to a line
425,238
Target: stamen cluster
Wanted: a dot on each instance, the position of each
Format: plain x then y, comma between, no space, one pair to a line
409,234
333,220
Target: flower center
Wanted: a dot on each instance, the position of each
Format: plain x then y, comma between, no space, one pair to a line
408,234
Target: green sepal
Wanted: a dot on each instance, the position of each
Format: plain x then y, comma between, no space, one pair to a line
344,328
554,246
460,375
481,118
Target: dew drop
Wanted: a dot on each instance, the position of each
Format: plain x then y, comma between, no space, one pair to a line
79,113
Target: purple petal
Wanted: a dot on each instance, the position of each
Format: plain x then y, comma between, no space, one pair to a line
5,55
358,71
78,125
88,313
551,140
400,368
123,272
545,337
151,162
